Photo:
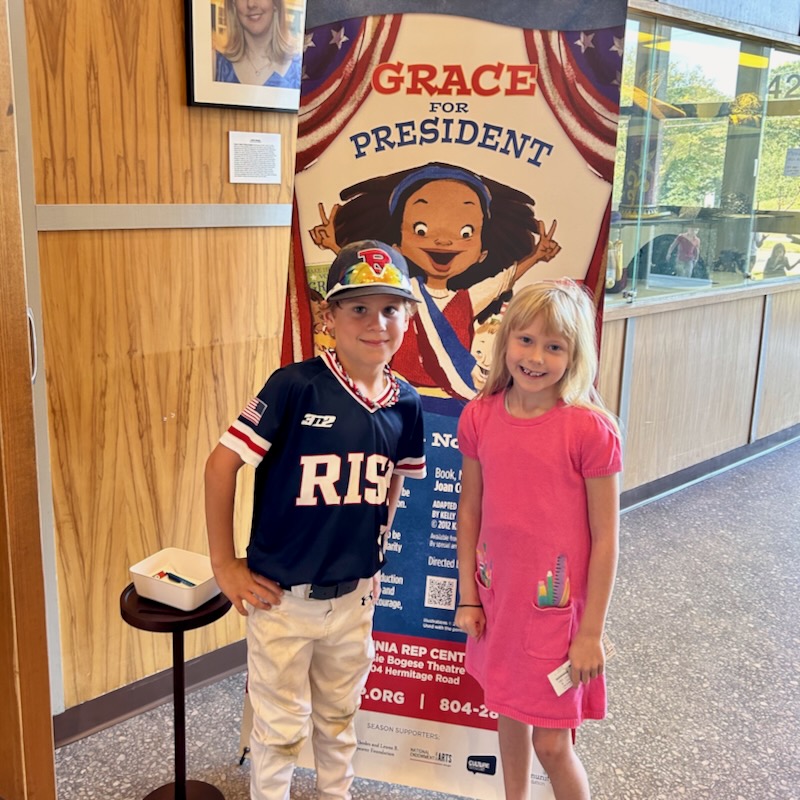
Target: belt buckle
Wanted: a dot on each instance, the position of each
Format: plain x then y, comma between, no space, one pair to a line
331,592
316,592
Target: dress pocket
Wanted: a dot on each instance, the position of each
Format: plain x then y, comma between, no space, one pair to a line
485,593
549,632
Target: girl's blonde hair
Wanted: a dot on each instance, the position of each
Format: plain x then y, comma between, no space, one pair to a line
281,45
567,310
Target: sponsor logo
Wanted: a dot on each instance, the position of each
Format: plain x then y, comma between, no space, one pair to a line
422,754
318,420
485,765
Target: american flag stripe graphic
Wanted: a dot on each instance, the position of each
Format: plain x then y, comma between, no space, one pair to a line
580,83
254,410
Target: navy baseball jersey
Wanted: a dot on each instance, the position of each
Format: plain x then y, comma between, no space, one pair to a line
324,459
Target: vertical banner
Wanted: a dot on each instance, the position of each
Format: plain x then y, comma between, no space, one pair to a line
479,140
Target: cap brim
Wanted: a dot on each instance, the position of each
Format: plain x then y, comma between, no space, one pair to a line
343,292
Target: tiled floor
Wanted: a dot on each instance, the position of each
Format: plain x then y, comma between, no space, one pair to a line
704,699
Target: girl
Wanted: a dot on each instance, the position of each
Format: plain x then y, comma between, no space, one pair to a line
777,265
537,533
467,240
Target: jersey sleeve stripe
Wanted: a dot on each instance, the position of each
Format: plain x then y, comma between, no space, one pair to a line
411,468
243,440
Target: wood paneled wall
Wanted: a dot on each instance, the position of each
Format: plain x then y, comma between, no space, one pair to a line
693,377
153,339
612,349
111,124
779,406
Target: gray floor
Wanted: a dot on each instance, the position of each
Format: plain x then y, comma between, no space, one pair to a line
703,692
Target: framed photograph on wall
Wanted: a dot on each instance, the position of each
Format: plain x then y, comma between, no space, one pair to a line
244,53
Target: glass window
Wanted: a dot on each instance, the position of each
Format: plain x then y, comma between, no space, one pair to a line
776,237
708,159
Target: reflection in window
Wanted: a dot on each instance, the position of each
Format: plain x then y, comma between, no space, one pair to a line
777,233
707,179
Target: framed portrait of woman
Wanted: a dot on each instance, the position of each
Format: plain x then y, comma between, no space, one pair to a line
245,53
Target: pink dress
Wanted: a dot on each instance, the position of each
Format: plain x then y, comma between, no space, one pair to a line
534,521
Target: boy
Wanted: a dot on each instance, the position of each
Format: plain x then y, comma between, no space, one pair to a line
331,439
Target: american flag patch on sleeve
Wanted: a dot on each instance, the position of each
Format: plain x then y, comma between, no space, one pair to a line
254,410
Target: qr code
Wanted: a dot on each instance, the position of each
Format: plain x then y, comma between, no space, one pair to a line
440,593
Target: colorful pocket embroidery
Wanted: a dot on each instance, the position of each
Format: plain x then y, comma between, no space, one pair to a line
553,591
484,566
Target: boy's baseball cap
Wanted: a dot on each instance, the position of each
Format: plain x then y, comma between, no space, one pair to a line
368,267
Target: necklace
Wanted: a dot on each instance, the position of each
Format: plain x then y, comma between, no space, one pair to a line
257,70
393,383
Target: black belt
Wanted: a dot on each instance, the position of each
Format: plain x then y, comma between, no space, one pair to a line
317,592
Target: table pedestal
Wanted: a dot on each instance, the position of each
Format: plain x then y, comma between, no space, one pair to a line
194,790
151,616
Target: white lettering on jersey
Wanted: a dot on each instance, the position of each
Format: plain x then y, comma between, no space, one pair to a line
312,478
379,472
354,484
318,420
322,472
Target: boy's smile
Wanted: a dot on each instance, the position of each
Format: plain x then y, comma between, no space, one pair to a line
441,230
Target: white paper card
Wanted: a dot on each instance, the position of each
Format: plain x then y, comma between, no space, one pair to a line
254,157
561,679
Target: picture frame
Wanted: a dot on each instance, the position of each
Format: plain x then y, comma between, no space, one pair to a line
222,70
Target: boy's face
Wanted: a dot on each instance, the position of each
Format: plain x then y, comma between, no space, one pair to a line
368,330
442,227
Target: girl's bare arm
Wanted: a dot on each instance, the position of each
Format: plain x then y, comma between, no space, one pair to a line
469,617
586,652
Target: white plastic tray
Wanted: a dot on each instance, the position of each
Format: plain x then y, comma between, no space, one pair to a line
192,567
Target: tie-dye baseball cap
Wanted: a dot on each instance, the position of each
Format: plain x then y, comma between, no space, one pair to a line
368,267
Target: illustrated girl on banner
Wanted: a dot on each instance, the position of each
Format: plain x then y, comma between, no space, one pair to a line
467,239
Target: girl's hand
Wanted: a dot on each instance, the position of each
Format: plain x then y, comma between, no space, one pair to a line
471,620
324,235
239,584
587,658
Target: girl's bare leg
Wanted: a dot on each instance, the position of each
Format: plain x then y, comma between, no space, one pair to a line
516,753
557,756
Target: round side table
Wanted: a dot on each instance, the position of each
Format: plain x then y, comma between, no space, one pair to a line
151,616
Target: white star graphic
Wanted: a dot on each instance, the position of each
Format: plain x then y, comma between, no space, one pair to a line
338,38
308,41
585,42
618,43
